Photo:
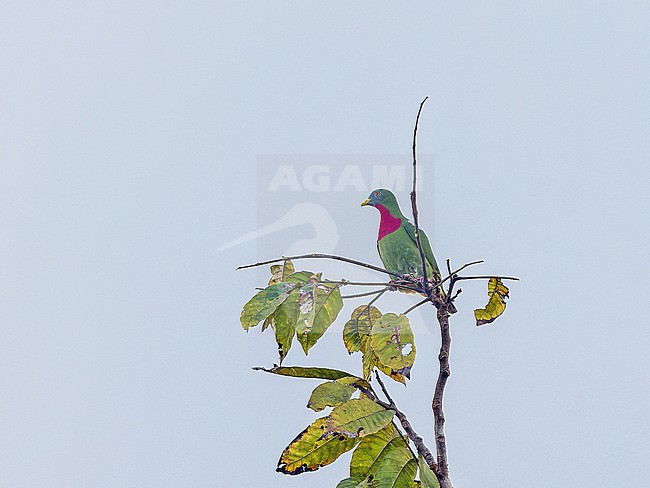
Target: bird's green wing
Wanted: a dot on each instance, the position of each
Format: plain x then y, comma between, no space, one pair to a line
382,257
426,246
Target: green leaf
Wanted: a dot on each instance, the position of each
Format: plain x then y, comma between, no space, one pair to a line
497,292
264,304
357,329
356,336
397,470
331,394
284,324
301,372
358,417
392,342
427,477
312,449
299,277
356,483
368,361
372,449
319,305
280,272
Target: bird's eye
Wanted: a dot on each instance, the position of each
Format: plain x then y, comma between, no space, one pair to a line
377,193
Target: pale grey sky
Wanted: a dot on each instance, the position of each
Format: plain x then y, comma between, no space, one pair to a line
131,135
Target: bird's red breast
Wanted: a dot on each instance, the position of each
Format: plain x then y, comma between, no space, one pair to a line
388,224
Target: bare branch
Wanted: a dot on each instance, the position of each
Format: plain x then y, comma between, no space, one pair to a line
416,306
414,205
462,278
324,256
357,283
458,271
455,279
368,293
438,414
367,307
458,292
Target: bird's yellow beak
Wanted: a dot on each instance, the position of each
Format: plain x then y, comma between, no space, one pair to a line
365,202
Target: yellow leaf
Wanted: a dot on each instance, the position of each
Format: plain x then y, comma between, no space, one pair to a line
280,272
313,448
393,344
497,292
358,328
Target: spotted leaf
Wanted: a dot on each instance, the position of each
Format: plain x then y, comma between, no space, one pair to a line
393,344
312,449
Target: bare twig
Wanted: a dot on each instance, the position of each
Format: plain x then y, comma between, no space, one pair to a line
422,302
456,278
462,278
442,467
367,307
324,256
357,283
368,293
414,205
392,285
448,277
391,402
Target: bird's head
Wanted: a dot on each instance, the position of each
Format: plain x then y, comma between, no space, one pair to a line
381,196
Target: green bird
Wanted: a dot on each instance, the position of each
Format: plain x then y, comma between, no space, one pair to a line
396,240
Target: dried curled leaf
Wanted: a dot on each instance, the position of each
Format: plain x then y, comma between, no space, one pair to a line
497,292
280,272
